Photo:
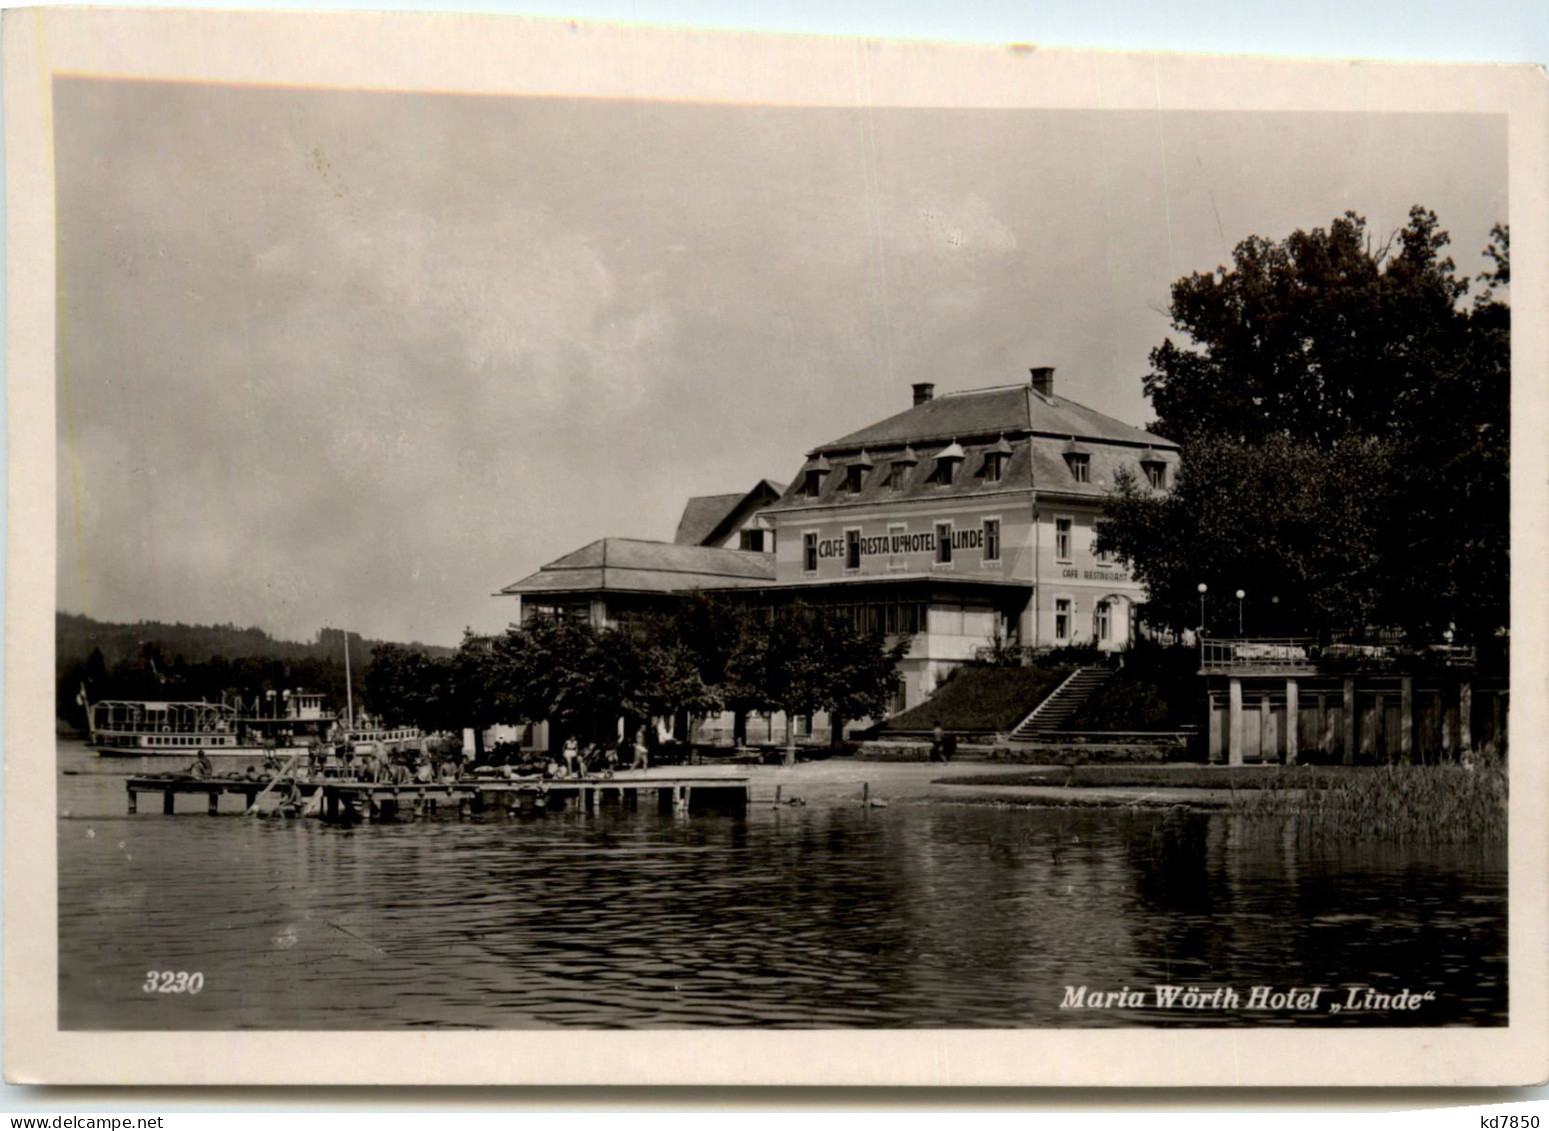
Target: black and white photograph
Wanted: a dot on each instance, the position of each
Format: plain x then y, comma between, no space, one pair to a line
684,559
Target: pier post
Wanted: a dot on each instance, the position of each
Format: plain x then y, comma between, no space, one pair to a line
865,793
248,797
777,797
134,801
1234,721
167,796
588,798
215,802
1406,719
465,807
1350,723
1293,722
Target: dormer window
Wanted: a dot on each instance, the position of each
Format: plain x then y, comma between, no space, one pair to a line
946,464
1079,460
855,474
899,470
812,477
1155,471
995,461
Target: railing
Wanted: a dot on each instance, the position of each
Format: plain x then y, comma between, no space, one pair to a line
1277,654
1305,654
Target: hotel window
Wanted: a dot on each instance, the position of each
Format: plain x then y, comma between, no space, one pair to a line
1062,618
852,549
1156,473
897,473
1080,467
994,467
809,552
943,543
895,548
1100,621
1062,539
759,540
992,539
854,478
1101,556
814,484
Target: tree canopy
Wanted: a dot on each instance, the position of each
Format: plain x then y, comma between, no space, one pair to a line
1344,421
706,655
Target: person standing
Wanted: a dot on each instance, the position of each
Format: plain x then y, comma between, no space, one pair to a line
642,752
937,744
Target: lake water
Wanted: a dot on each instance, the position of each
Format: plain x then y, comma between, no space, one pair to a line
922,914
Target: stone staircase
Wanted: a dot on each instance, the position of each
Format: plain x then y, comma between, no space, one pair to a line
1062,702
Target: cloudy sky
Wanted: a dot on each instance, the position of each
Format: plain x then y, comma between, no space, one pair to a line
360,359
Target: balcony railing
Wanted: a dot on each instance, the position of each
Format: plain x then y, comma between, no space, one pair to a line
1303,654
1288,653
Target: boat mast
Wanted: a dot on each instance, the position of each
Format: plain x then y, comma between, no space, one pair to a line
349,691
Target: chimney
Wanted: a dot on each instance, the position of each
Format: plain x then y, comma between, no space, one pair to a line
924,391
1043,380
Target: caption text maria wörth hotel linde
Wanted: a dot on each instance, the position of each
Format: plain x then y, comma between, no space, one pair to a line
1296,999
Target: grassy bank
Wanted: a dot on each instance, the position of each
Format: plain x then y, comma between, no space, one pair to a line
1392,803
1395,803
1173,777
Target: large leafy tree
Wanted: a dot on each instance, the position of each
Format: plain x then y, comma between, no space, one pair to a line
1344,420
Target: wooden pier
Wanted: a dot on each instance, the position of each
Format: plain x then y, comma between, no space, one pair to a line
353,801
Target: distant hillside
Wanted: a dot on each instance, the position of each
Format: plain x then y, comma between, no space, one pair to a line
153,660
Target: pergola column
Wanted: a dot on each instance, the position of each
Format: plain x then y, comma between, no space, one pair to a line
1234,721
1351,730
1406,719
1293,715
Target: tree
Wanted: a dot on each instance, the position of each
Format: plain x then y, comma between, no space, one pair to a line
1283,519
809,660
1312,337
1344,421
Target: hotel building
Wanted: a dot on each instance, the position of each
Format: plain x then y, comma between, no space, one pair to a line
966,520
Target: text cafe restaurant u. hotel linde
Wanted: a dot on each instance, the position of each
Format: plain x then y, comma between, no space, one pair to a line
965,518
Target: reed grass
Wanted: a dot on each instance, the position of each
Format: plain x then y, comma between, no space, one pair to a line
1432,804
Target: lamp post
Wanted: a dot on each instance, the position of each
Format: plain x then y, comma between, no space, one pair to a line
1240,596
1202,588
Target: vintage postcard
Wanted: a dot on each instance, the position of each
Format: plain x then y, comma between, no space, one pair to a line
553,553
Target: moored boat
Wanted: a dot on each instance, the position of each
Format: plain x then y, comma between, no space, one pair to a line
134,728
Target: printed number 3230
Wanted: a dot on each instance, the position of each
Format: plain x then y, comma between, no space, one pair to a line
172,982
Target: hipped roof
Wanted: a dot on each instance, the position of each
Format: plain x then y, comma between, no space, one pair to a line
632,565
1010,409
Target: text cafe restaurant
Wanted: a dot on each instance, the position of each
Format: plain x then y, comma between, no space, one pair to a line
966,518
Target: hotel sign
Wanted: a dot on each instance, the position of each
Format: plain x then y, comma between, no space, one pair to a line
895,544
1104,574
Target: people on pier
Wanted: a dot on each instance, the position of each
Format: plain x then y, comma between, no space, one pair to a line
200,767
252,774
642,752
423,772
572,756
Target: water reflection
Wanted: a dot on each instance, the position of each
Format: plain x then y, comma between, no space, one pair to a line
916,915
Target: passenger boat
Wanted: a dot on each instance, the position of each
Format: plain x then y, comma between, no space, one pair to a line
376,739
148,728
